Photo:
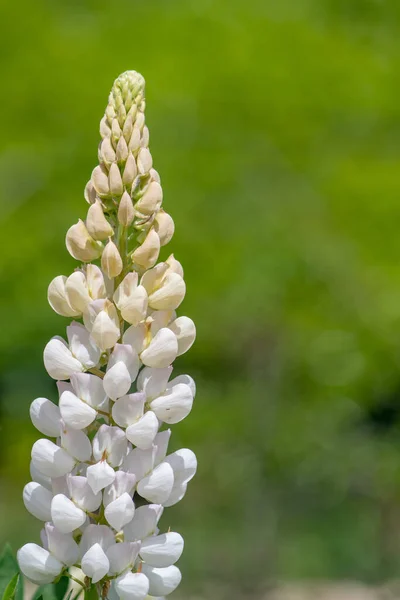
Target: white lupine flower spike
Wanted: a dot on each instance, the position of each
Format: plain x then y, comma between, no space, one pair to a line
102,475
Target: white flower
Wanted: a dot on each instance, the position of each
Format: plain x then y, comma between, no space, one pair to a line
122,370
96,540
171,402
131,299
51,460
37,564
162,581
79,407
101,320
162,550
37,500
62,360
109,449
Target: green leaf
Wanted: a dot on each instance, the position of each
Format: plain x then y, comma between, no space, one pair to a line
91,593
11,589
60,588
8,570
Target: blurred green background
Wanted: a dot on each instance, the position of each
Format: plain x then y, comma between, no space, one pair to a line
276,129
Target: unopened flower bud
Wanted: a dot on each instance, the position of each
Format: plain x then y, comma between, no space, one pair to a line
100,180
96,223
101,319
122,150
90,192
131,299
130,171
170,294
111,261
81,245
134,142
140,120
126,213
128,126
147,254
174,265
107,152
105,130
165,227
144,142
151,199
115,130
144,161
115,180
58,298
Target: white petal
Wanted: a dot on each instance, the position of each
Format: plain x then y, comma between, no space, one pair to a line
126,354
122,556
174,405
157,486
162,581
135,337
96,534
185,331
64,386
184,379
89,388
120,512
184,464
110,443
45,416
117,381
153,382
74,412
144,522
76,443
128,409
162,550
95,282
82,494
65,515
171,293
152,278
95,563
38,477
161,442
139,462
100,475
178,492
162,350
142,433
37,500
58,360
77,291
51,460
161,318
105,332
58,299
132,586
123,483
82,346
62,545
37,564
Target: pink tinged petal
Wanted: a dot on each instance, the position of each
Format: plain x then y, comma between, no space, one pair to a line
128,409
184,379
162,350
45,416
65,515
142,433
185,331
144,522
120,512
153,382
139,462
95,563
37,500
126,354
184,464
38,477
117,381
178,492
110,443
162,550
135,337
82,494
96,534
58,360
157,486
76,443
51,460
122,556
173,406
123,483
37,564
161,442
75,413
89,388
62,545
162,581
82,346
100,475
132,586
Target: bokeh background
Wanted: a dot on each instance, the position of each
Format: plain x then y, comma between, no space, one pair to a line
276,129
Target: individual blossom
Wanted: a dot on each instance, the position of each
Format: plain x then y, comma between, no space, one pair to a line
104,471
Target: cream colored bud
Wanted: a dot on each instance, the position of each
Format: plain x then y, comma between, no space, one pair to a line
90,192
107,152
165,227
100,180
140,119
96,223
126,213
111,261
130,170
121,115
77,290
122,150
128,127
144,142
115,180
95,282
147,254
134,142
115,130
101,319
155,176
153,278
105,131
81,245
131,299
151,199
144,161
170,293
110,112
58,298
174,265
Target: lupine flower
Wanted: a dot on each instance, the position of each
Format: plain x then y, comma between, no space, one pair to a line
102,475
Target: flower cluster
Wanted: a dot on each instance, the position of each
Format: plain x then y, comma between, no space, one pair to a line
102,476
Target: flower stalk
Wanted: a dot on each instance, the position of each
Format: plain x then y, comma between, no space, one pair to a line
102,475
